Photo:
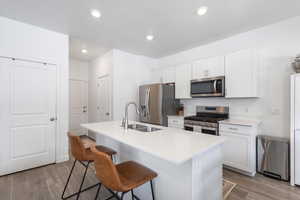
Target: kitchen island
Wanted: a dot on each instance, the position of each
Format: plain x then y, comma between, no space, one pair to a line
189,165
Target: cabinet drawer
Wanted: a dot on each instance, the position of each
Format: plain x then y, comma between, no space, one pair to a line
247,130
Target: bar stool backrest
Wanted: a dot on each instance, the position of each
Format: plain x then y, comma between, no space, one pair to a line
77,148
106,171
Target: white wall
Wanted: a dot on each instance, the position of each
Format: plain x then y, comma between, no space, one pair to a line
130,71
79,70
277,44
101,66
29,42
127,72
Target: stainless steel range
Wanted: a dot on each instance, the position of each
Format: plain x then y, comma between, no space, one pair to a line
206,119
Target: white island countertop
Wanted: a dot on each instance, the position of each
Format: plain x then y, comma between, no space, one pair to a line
171,144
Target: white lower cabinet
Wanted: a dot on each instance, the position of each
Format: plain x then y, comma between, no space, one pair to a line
239,149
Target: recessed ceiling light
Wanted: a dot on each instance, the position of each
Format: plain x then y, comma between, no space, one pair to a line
202,10
96,13
150,37
84,51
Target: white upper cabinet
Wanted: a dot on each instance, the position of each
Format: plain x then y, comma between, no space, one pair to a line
241,77
183,81
168,75
209,67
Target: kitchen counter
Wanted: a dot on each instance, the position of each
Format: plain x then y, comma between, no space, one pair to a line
170,144
189,165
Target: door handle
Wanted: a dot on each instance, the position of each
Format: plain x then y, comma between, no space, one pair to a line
107,114
215,86
53,119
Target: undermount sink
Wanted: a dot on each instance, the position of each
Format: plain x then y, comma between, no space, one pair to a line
142,128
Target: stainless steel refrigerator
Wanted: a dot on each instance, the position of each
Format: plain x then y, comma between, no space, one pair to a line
295,129
157,101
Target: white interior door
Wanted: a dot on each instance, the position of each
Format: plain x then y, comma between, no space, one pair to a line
28,115
103,107
78,106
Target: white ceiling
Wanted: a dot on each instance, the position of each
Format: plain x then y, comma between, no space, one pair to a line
94,50
124,24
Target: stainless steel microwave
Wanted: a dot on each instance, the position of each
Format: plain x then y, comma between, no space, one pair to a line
208,87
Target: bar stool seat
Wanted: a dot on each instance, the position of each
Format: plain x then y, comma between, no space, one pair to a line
87,141
81,150
124,177
104,149
133,175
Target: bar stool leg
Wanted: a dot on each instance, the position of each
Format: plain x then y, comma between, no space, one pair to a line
97,194
151,183
122,196
68,180
132,195
87,166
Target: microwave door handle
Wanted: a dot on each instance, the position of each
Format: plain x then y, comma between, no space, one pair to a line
215,85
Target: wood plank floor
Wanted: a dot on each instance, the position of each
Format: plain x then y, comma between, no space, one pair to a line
46,183
260,188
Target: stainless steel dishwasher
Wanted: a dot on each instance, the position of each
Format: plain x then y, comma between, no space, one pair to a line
273,157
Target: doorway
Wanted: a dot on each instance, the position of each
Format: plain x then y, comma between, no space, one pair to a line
104,98
78,106
28,117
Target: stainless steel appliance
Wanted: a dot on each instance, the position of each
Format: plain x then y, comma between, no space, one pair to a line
273,157
206,119
208,87
157,101
295,129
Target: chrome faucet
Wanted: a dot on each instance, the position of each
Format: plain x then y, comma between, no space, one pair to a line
125,120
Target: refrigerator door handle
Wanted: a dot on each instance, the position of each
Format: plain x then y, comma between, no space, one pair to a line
147,103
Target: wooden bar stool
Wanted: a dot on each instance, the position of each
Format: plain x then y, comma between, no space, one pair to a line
81,151
124,177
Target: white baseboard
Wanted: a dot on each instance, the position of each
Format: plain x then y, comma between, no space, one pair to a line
63,158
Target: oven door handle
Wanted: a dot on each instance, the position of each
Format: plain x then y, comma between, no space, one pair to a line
209,128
